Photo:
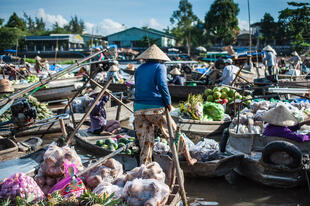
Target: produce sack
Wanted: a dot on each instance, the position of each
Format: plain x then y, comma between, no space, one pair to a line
109,188
205,150
52,169
20,185
70,185
149,192
109,171
214,111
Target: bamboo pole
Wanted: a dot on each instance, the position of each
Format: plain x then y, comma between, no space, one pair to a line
176,160
89,111
63,128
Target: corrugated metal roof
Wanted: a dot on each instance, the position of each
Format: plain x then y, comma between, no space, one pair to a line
46,38
150,30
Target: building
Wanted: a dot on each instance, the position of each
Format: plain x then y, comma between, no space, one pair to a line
63,43
136,38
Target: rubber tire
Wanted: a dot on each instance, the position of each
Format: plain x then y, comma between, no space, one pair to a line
224,139
282,146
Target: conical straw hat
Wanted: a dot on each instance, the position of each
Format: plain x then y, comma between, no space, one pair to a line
280,116
6,86
295,53
268,48
37,58
153,52
175,71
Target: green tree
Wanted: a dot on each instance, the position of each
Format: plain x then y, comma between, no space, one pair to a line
57,29
1,21
75,25
30,24
11,36
268,28
295,23
40,24
184,18
221,22
16,22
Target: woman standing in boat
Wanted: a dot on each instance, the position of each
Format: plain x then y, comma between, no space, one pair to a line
151,98
281,123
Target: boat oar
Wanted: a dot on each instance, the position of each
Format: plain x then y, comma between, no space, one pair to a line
176,160
100,161
88,112
119,101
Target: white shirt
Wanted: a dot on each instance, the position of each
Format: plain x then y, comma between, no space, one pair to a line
229,74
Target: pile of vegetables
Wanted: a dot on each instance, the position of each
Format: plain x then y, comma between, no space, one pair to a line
256,110
32,78
112,143
20,185
224,95
192,108
43,111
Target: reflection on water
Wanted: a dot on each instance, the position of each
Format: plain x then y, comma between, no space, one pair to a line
244,193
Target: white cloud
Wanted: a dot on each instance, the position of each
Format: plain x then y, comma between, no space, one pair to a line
105,27
51,19
152,23
243,24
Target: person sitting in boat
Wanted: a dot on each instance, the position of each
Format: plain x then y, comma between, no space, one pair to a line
98,122
113,71
81,72
151,98
295,60
177,79
281,123
229,73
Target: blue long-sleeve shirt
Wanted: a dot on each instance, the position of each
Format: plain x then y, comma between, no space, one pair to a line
151,85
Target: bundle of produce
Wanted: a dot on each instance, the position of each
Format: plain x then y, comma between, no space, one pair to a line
205,150
300,111
112,143
32,79
52,169
224,95
213,111
192,108
43,111
20,185
146,192
109,171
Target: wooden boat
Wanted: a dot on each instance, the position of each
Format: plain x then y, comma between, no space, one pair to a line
196,128
215,168
128,71
8,149
294,84
252,166
57,89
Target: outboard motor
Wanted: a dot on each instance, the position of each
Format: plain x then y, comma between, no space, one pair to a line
23,112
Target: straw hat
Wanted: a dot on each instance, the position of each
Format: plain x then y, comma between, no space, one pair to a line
205,64
37,58
229,61
175,71
269,48
114,68
280,116
295,53
153,52
5,86
130,67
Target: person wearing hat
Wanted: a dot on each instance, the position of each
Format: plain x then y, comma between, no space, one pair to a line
38,65
281,123
229,72
270,60
295,60
113,72
98,118
151,98
100,56
177,79
5,86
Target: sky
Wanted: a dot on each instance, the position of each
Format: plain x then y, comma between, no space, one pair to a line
110,16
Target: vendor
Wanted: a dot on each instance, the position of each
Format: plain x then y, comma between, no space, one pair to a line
99,123
81,72
177,79
113,71
100,56
151,98
281,123
270,60
295,60
229,73
38,65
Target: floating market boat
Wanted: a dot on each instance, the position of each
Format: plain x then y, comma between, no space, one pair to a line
8,149
214,168
272,161
56,89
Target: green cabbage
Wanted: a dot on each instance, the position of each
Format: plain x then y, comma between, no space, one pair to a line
214,111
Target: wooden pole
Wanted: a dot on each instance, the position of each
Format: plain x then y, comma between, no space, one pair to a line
89,111
176,160
63,128
119,107
72,113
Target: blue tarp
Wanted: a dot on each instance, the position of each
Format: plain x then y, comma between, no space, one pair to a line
9,50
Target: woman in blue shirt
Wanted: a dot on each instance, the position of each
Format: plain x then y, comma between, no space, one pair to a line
151,98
